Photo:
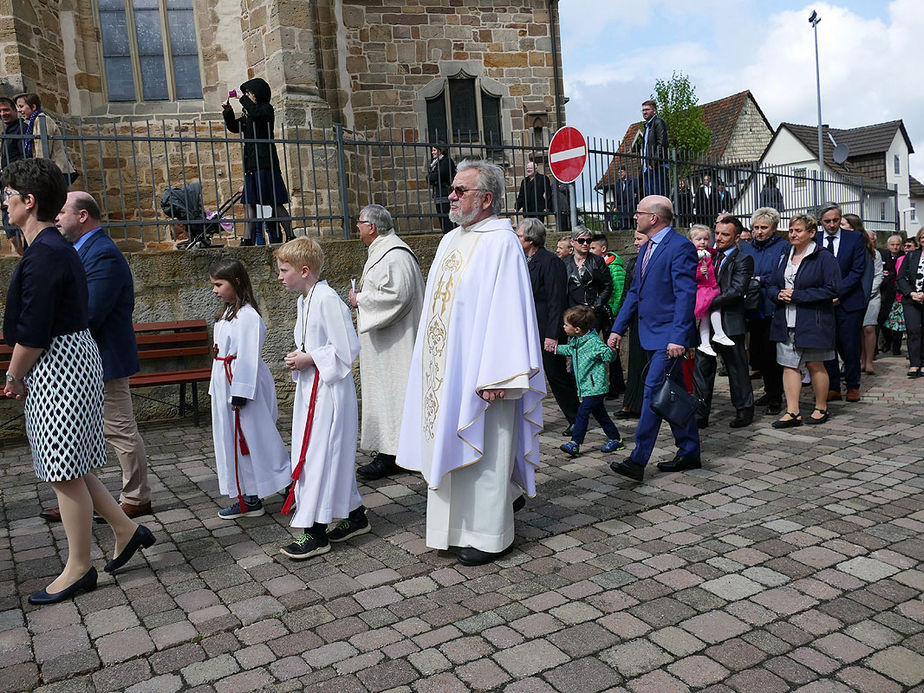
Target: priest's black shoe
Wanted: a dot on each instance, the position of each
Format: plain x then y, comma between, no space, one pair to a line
381,466
743,417
141,538
629,468
85,584
680,464
471,556
519,503
568,431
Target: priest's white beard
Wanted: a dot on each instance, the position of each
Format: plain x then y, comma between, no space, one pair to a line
456,217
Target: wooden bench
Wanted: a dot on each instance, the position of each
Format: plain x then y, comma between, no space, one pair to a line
171,353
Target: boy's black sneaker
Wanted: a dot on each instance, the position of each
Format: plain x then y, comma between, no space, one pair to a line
305,546
349,528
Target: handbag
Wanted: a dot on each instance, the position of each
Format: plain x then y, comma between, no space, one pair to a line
752,295
672,402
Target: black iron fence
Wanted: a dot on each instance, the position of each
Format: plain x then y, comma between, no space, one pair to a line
331,174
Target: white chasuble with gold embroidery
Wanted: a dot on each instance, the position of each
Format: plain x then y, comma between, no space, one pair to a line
478,331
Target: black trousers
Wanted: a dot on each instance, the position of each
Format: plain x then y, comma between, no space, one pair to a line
849,334
914,328
635,390
561,382
763,359
739,379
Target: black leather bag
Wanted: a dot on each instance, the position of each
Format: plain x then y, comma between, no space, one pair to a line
752,295
672,402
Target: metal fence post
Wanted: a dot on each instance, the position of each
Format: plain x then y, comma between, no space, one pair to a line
815,202
341,173
862,200
756,185
674,175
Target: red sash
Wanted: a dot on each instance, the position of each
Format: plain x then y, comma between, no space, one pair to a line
238,433
290,500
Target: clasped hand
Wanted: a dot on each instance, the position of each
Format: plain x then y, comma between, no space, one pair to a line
298,360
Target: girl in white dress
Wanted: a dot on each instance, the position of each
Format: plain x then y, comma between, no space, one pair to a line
251,459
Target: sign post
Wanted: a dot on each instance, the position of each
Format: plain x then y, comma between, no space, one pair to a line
567,159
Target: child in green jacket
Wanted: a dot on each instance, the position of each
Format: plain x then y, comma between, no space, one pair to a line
589,356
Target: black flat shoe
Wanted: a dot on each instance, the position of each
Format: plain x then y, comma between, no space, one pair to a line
141,538
568,431
519,504
380,467
623,414
469,556
680,464
914,373
820,420
793,421
85,584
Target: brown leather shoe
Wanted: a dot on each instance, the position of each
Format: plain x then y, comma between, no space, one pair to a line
853,394
51,514
136,510
834,395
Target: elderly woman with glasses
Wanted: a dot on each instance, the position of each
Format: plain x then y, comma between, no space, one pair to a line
56,368
589,280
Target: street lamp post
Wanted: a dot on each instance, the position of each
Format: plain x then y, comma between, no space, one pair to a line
813,20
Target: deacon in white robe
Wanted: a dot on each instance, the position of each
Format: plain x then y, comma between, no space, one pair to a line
473,413
265,470
326,488
388,303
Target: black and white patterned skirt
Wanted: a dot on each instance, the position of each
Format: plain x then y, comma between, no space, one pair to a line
64,409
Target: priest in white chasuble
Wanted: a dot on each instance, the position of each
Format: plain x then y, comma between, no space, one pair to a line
473,411
388,303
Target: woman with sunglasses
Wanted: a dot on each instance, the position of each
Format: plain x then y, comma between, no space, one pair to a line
589,280
56,368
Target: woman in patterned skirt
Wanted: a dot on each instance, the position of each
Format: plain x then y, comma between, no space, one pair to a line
56,367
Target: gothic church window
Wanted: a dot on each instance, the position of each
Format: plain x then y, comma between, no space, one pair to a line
150,52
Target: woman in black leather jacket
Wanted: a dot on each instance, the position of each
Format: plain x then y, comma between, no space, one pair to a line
589,280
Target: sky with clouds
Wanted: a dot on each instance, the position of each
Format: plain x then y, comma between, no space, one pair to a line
871,55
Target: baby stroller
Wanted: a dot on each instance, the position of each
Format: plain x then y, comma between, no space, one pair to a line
185,205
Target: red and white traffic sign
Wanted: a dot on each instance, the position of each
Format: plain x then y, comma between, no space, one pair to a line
567,154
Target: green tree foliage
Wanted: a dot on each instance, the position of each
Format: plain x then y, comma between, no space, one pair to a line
677,104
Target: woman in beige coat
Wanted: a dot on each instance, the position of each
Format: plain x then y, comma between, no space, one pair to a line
30,109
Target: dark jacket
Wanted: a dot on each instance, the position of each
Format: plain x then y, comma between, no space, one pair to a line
656,151
706,204
535,196
625,194
732,278
770,196
766,256
549,280
591,285
887,288
906,281
12,146
256,125
112,301
852,258
817,284
440,174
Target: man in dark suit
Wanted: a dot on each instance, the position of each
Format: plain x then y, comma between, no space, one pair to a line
733,271
652,142
626,196
549,280
705,202
663,296
850,306
535,195
112,300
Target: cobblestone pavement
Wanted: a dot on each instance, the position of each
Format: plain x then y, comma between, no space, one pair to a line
792,561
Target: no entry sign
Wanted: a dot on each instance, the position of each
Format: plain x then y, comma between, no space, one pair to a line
567,154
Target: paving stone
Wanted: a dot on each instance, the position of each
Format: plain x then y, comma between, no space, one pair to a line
167,683
677,641
430,661
899,663
121,676
56,643
867,568
732,587
210,670
842,647
657,682
715,626
530,658
866,681
482,675
698,670
757,680
587,675
388,675
635,657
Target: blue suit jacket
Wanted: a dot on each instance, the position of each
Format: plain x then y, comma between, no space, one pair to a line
112,301
664,297
852,259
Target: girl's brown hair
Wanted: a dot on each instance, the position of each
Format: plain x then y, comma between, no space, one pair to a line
232,271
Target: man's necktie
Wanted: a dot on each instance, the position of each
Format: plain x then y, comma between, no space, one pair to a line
718,262
830,245
647,257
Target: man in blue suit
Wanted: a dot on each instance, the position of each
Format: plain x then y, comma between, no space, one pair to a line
663,297
112,301
850,306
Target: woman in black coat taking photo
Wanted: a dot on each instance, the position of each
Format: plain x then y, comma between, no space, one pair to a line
263,183
440,174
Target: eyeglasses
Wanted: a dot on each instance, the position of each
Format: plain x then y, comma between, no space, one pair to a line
7,193
582,241
460,190
363,221
642,211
